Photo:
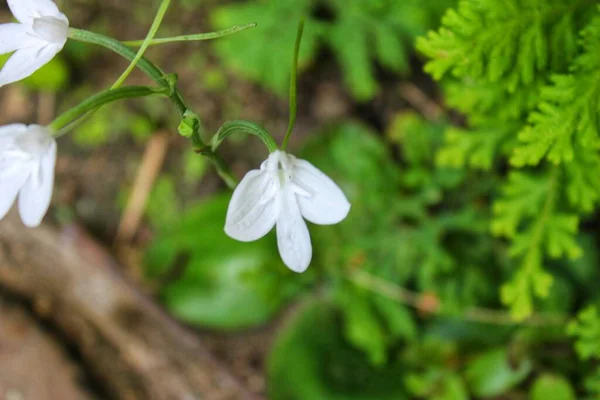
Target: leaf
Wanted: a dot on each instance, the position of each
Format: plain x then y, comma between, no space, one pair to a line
264,53
567,117
510,40
215,281
477,149
359,33
551,387
528,214
493,374
362,328
311,360
586,330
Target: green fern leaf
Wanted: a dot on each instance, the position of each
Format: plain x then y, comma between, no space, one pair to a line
510,40
475,148
568,114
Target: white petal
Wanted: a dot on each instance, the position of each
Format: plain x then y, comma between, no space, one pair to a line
12,129
26,10
293,239
326,203
253,207
25,62
36,194
10,184
14,36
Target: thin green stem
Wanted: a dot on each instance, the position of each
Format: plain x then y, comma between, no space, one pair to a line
160,14
100,99
192,38
114,45
248,127
293,85
159,77
475,314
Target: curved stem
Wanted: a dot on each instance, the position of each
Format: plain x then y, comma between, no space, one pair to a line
100,99
293,85
474,314
243,126
160,14
143,64
192,38
159,77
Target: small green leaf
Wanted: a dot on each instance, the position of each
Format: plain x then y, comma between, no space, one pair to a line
311,360
551,387
215,281
493,373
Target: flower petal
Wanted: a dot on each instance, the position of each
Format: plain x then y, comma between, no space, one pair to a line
25,62
293,239
253,207
14,36
26,10
10,184
326,203
36,194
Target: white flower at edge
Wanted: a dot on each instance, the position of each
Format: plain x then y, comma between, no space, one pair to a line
27,160
283,193
40,34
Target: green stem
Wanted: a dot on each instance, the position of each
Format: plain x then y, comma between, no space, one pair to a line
160,14
192,38
243,126
159,77
293,85
114,45
101,99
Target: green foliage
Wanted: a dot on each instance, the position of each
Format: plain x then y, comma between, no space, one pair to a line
311,360
567,119
264,54
358,32
512,40
550,387
524,73
586,330
493,373
207,285
109,123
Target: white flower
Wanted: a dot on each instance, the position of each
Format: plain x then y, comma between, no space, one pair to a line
40,34
27,159
283,192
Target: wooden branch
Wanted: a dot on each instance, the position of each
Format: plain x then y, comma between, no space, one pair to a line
128,342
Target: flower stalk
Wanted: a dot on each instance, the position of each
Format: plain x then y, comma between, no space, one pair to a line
162,80
192,38
294,85
93,103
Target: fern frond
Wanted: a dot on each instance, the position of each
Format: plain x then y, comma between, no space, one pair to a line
568,114
479,100
511,40
531,201
477,148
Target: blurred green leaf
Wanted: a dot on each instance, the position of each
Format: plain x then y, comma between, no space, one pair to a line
359,32
264,54
219,283
551,387
493,373
311,360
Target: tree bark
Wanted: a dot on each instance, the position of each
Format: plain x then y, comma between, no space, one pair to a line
135,349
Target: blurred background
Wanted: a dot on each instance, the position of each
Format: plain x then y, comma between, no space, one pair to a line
402,299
